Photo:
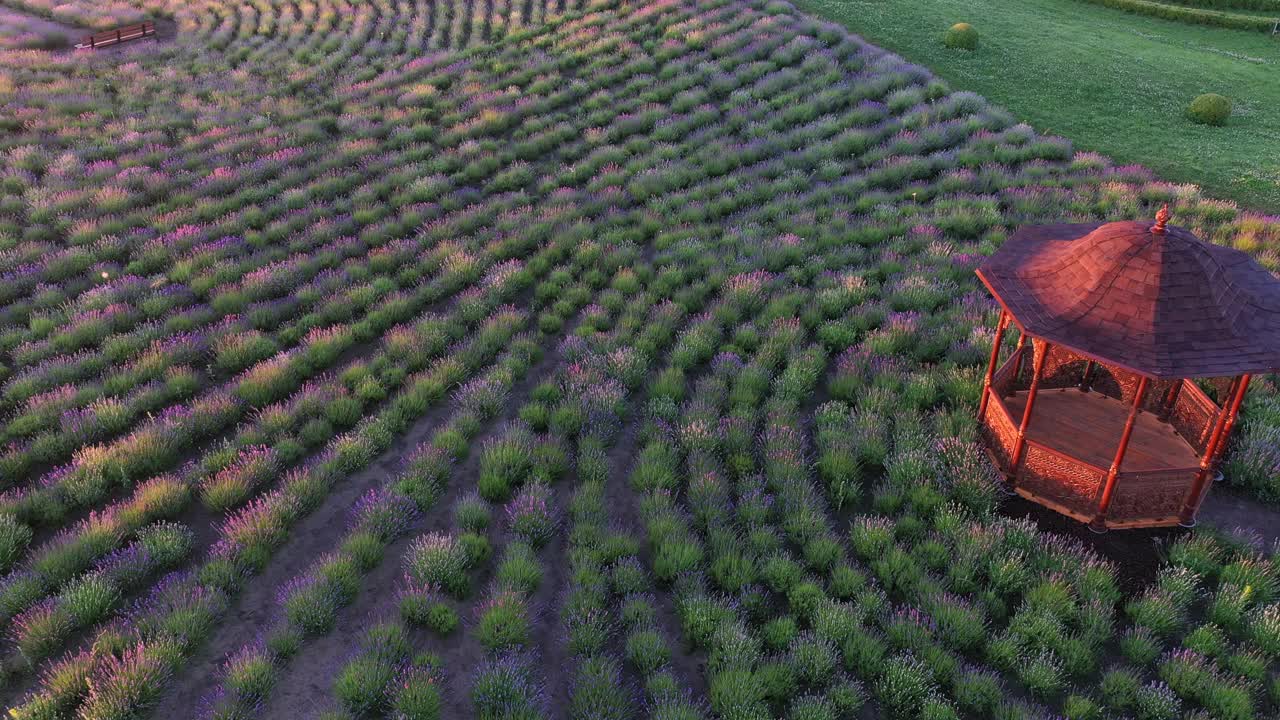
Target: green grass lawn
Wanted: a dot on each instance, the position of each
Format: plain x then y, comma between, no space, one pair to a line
1112,82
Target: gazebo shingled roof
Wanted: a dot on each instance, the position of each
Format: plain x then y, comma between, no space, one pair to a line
1162,304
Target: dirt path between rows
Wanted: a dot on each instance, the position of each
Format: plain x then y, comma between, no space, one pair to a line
304,685
255,608
1226,509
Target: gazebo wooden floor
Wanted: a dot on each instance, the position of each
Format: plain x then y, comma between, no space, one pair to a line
1087,426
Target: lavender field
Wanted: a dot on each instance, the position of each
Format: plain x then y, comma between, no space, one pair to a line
422,359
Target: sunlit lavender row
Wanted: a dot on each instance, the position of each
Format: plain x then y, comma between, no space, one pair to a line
555,360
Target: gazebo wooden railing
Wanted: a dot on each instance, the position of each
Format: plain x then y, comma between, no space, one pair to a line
1073,485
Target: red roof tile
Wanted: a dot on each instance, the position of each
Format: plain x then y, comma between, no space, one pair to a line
1166,305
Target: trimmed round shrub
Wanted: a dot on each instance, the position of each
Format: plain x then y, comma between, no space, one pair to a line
811,707
232,485
737,694
1120,689
532,514
417,697
440,561
814,660
1140,646
1210,109
1156,701
40,630
364,549
416,603
638,612
903,686
628,577
362,685
1081,707
847,697
779,632
88,598
961,36
472,513
804,599
647,652
249,673
777,682
504,465
504,688
476,548
1264,629
599,692
588,630
504,623
519,570
441,618
167,542
14,537
675,556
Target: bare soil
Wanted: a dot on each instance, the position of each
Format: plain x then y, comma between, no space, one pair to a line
625,516
1227,509
549,641
255,609
304,685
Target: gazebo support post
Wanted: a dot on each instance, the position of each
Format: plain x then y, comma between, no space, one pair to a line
1099,523
1084,379
1231,420
1170,400
1019,447
1017,368
1190,505
1206,436
991,366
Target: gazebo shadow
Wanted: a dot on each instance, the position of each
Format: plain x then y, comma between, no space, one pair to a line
1138,553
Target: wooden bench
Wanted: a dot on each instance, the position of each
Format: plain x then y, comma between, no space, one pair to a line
119,35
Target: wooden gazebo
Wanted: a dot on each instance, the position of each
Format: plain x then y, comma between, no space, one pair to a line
1100,413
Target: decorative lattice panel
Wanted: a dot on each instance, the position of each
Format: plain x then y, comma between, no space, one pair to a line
1005,381
1193,416
1062,368
1221,387
1122,385
1150,495
1060,479
999,431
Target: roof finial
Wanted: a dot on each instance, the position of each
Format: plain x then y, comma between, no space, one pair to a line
1162,219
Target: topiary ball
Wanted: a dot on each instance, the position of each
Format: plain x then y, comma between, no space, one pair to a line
961,36
1210,109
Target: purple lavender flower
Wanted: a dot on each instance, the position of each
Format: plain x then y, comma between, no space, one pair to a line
384,512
